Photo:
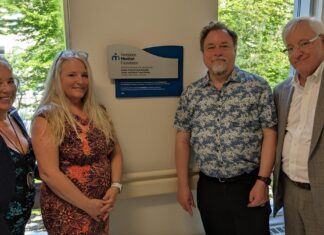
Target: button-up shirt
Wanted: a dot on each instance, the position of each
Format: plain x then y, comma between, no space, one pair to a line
299,128
226,125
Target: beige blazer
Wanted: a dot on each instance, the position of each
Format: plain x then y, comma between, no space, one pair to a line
282,96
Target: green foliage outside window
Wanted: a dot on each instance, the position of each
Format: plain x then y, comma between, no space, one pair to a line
259,24
39,24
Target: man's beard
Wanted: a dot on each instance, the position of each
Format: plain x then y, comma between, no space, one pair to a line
219,67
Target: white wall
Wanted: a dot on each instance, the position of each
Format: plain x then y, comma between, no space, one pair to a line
144,125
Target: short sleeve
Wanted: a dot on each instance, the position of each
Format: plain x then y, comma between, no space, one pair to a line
266,108
182,115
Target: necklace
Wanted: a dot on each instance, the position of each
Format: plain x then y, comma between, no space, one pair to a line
84,124
21,149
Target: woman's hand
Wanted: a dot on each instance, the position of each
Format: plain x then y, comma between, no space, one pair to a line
94,207
109,200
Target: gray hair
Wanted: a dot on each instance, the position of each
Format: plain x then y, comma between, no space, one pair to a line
4,62
316,25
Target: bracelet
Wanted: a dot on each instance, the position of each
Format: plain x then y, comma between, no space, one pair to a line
117,185
266,180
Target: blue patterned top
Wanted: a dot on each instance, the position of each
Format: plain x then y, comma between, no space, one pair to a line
21,205
226,125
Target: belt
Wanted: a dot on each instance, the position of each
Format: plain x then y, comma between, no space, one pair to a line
300,184
243,176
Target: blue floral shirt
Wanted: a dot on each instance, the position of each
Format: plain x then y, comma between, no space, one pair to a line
226,125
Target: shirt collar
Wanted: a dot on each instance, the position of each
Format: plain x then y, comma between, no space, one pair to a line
315,77
233,77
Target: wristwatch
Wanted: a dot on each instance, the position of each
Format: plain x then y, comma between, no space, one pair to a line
266,180
117,185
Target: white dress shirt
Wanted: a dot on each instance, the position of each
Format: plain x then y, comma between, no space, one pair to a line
299,128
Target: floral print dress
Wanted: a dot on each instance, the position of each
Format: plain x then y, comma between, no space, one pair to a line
84,159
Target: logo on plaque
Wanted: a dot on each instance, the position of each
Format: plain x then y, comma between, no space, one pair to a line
154,71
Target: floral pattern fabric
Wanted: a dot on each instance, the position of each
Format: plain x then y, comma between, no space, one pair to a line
20,206
226,125
84,159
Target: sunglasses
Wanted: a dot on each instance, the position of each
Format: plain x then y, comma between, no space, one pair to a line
71,54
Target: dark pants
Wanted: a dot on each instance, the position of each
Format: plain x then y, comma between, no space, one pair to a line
223,207
4,230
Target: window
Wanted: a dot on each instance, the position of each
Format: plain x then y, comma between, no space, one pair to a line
32,32
258,25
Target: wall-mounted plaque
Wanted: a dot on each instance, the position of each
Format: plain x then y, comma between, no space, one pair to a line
149,72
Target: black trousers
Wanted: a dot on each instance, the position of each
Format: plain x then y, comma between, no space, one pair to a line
4,230
223,207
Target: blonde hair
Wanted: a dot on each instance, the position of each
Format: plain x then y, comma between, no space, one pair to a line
54,102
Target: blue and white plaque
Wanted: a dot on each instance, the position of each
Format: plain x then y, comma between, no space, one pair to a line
149,72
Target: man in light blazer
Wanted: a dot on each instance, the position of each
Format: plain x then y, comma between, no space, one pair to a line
299,167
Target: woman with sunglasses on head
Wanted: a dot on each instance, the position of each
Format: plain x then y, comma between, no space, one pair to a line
17,160
79,158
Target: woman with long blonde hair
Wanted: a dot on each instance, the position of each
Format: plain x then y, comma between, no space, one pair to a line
79,158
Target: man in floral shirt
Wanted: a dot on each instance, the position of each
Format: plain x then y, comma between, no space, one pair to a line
227,119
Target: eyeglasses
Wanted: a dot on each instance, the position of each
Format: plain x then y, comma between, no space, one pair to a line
302,45
71,54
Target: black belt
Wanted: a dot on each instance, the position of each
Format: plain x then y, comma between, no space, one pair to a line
243,176
300,184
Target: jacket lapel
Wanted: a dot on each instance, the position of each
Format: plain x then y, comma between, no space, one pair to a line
287,94
319,118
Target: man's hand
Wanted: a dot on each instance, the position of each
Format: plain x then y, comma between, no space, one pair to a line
185,199
259,194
